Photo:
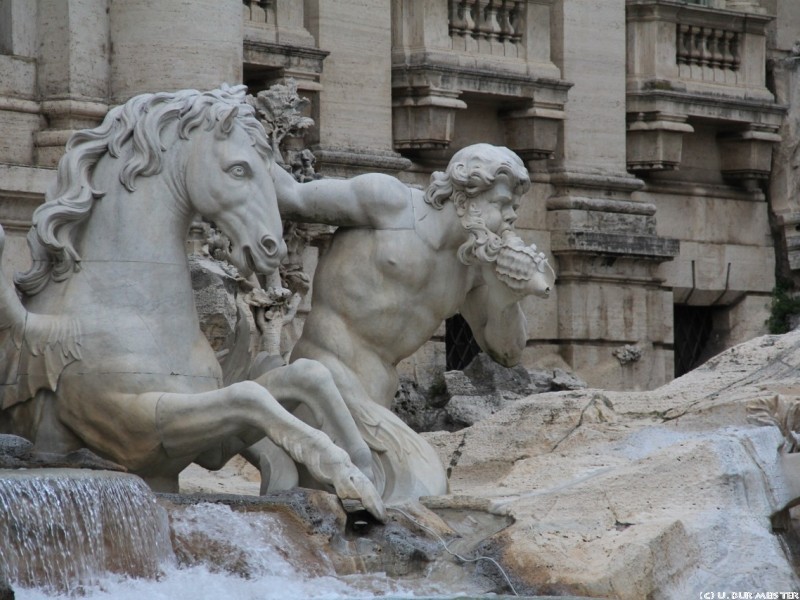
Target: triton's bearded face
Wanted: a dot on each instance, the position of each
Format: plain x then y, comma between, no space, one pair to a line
487,217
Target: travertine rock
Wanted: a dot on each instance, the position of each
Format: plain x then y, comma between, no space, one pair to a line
663,494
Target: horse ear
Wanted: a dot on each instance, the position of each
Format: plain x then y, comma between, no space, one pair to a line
227,123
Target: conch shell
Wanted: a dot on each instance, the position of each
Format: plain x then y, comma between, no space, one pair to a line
522,268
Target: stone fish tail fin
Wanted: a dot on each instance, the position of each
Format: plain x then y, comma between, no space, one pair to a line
34,349
12,312
51,342
12,326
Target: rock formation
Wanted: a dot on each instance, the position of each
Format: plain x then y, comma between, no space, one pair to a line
663,494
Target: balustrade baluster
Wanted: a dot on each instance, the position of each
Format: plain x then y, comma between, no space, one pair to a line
517,18
491,24
684,41
696,46
706,51
734,46
457,22
468,12
481,24
504,17
715,42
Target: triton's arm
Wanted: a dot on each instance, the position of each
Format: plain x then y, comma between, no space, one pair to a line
496,320
373,200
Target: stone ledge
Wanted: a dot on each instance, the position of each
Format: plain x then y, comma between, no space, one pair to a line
708,105
613,244
352,160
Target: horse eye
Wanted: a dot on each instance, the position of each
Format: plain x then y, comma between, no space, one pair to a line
238,171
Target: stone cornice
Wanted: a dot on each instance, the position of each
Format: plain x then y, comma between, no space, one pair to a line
705,105
694,14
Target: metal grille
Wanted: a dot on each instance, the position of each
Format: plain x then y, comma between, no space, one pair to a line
459,343
693,327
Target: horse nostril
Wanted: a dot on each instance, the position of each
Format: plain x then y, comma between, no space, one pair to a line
270,246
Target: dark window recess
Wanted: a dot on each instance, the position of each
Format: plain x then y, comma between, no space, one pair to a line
693,327
459,343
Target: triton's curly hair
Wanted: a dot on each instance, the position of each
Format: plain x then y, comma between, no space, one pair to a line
472,171
134,133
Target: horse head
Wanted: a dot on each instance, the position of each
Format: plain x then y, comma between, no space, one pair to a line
228,181
208,147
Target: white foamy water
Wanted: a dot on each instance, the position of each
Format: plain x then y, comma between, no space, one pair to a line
62,530
231,555
198,583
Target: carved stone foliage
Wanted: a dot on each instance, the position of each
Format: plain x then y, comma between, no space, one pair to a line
234,306
281,111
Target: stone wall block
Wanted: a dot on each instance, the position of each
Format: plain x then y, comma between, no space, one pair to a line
174,45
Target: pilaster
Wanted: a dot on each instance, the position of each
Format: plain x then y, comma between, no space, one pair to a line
162,46
353,112
614,312
73,71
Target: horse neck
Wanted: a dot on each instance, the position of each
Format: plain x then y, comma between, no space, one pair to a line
139,236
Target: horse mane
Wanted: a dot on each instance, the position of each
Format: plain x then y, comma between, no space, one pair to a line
132,132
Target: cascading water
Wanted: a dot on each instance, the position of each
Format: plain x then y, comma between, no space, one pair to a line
68,533
63,530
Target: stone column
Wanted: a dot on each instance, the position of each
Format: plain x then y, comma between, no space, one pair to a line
72,71
614,315
167,45
354,112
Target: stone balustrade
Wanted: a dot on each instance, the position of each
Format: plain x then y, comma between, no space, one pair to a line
260,11
459,56
488,26
707,47
699,62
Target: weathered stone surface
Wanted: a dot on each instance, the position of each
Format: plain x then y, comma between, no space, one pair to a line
215,288
662,494
564,380
483,388
15,446
18,453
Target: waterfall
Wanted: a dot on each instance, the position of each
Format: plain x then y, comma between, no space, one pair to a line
65,529
67,533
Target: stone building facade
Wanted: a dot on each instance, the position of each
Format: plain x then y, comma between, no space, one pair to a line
661,136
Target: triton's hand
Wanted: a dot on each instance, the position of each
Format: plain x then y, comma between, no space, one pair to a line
523,269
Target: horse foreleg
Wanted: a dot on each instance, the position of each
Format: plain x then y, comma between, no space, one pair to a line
309,383
190,424
278,470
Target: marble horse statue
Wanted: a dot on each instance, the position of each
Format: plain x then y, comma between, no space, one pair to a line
104,351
